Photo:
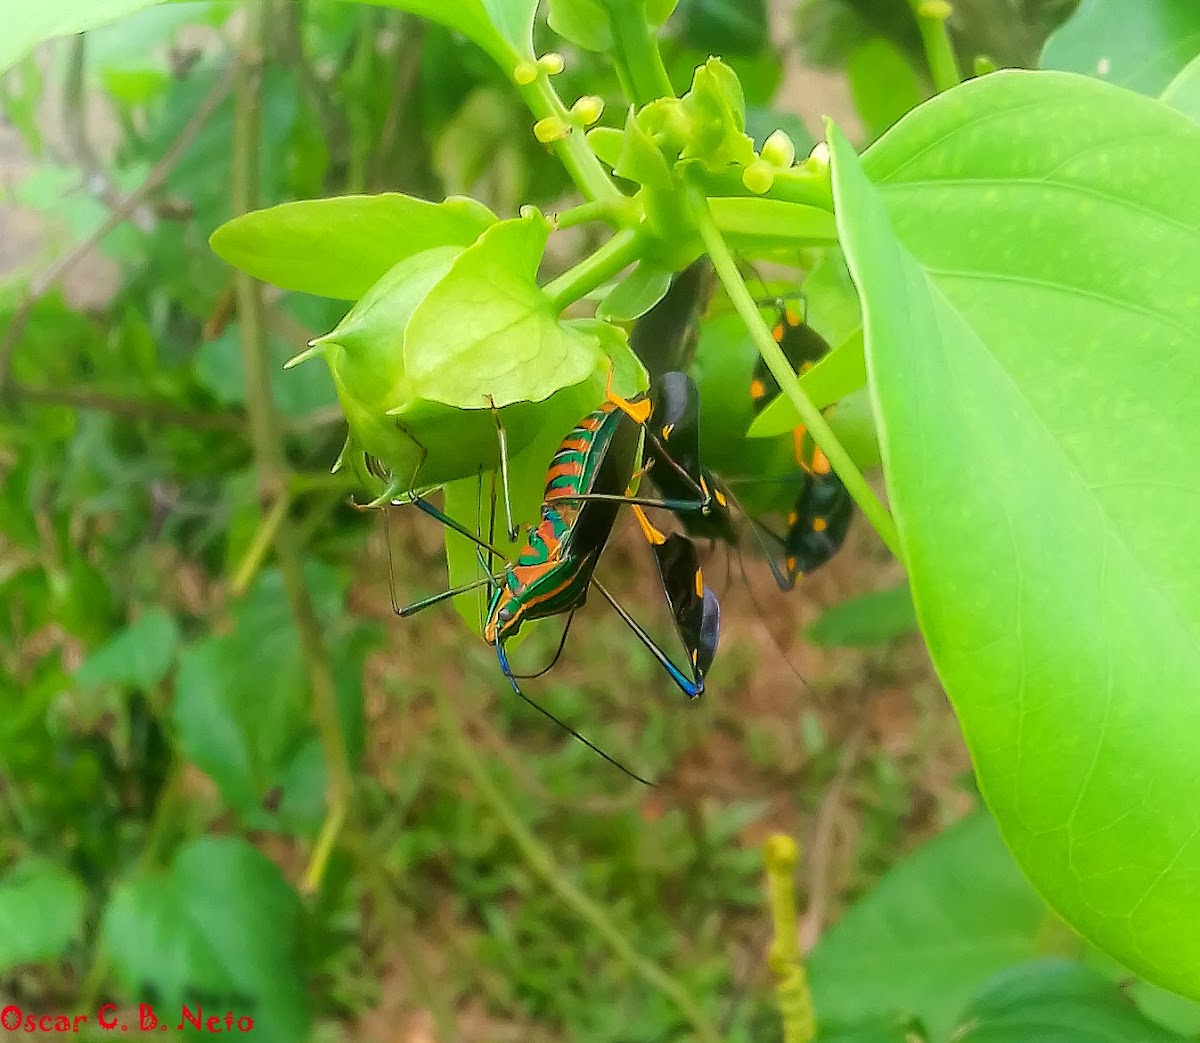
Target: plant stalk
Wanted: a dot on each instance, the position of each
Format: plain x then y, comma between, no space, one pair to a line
266,432
785,376
939,52
645,76
594,270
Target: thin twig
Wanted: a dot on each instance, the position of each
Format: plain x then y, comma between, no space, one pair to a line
154,180
266,433
537,856
821,849
143,409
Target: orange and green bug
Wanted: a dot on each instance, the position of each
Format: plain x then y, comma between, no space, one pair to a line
587,482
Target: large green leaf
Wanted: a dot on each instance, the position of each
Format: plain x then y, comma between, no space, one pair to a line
931,933
503,28
1140,45
41,912
1028,266
487,329
222,929
1055,1001
340,247
28,24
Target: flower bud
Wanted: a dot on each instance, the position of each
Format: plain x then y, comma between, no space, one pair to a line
778,150
819,156
551,129
588,109
759,176
551,64
525,73
939,9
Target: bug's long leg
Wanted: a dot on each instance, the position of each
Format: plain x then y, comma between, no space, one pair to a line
562,724
445,519
689,687
420,606
502,438
562,643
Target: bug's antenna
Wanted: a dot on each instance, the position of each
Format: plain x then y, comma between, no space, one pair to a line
562,643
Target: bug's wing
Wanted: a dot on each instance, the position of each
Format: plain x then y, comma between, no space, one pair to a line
695,610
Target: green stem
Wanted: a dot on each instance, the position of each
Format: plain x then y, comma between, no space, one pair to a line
641,59
266,432
573,151
596,210
621,250
939,52
785,376
555,876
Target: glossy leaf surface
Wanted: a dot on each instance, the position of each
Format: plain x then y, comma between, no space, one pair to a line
1031,312
340,247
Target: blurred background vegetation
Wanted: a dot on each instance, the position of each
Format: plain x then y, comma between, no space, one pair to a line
161,784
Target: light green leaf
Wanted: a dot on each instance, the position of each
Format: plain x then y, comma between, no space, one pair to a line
223,924
1140,45
871,619
503,28
1055,1000
1029,293
487,329
933,930
1183,92
138,656
41,912
28,24
636,294
883,84
340,247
